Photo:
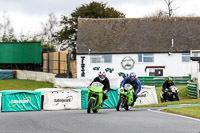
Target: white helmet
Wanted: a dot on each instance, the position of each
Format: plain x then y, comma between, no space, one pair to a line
102,76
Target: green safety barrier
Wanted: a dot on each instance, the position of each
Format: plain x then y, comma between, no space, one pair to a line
111,102
192,90
20,100
158,81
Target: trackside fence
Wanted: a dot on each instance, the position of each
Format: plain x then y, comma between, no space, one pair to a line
158,81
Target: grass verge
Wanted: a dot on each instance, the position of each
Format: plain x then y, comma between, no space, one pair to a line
16,84
193,111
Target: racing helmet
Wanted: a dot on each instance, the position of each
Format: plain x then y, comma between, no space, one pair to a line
169,80
102,76
132,76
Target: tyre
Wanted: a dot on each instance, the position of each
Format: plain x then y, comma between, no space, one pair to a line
161,98
90,105
176,96
119,103
95,111
127,108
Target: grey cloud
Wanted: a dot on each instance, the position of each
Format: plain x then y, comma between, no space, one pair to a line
65,6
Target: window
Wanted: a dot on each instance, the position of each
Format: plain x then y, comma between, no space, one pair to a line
139,57
101,59
145,58
107,58
95,59
185,57
195,55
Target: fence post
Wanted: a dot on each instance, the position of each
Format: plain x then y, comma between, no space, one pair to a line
58,62
68,66
48,61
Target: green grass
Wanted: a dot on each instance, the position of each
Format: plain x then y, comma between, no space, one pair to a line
193,111
16,84
184,99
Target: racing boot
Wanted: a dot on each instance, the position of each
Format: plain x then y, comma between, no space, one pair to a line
102,104
131,104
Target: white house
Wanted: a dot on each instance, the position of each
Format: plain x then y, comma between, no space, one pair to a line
148,47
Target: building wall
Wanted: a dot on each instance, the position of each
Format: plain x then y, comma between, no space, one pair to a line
173,65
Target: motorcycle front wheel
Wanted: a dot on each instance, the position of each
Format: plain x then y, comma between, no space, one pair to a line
162,98
90,105
176,96
119,103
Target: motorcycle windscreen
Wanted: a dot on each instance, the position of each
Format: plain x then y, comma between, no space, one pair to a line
97,87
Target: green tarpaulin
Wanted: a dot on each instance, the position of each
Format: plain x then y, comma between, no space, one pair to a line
20,100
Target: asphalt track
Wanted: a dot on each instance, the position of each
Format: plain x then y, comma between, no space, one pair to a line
106,121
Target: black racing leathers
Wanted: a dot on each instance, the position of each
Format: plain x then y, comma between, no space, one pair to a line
166,84
106,84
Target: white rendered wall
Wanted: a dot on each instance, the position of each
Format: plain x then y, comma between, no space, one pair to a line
173,65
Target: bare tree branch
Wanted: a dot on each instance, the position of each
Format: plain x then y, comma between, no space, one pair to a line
157,14
49,29
169,6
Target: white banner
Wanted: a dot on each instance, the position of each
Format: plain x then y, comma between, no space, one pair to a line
147,96
82,83
0,101
37,76
62,99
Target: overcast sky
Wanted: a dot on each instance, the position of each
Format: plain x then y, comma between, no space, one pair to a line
26,15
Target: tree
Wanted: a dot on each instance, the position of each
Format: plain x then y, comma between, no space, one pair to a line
158,14
47,47
163,13
49,29
170,10
6,30
67,36
29,37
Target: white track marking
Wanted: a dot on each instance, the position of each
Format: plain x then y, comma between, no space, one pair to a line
174,115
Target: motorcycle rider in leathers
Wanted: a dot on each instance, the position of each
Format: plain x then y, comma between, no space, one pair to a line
134,82
104,80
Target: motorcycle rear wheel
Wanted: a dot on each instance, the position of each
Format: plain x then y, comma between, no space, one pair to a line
127,108
95,111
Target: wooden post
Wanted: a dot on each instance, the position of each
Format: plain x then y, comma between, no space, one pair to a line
68,66
58,62
48,61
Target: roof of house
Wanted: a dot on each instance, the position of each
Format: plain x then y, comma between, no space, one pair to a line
138,35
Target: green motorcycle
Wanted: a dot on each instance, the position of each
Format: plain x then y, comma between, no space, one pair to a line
95,95
125,97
